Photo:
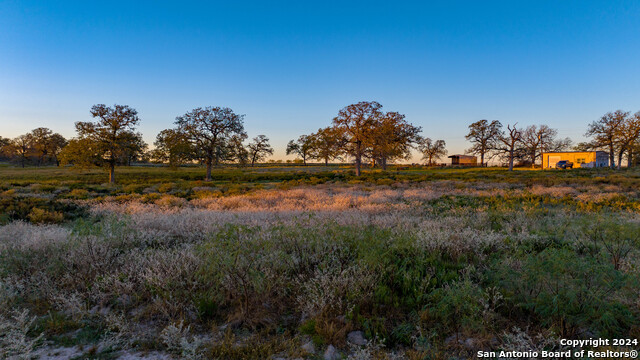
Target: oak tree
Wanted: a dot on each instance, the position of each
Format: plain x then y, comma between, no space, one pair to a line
391,138
606,133
110,137
172,147
432,150
483,135
538,139
508,143
259,149
356,123
302,147
327,144
209,130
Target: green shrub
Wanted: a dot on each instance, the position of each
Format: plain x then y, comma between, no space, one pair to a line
567,292
41,216
456,306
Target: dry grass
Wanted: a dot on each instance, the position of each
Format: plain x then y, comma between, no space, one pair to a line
204,277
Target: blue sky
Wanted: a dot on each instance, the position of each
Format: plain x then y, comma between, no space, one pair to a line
289,66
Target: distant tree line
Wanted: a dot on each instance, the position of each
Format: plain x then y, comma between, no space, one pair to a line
361,132
617,133
513,145
39,147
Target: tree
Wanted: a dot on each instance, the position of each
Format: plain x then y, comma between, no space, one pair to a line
57,142
209,130
41,144
356,122
259,149
110,137
302,147
627,137
133,148
327,144
173,147
391,138
432,150
22,148
538,139
82,153
634,154
508,143
484,136
236,151
5,150
606,132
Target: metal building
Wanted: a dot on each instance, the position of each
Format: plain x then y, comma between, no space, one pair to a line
585,159
463,160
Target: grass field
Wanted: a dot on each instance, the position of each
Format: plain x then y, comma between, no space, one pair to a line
296,262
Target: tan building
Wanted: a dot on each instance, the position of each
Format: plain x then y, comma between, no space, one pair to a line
585,159
463,160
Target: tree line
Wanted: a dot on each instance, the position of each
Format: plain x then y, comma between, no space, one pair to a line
360,132
617,133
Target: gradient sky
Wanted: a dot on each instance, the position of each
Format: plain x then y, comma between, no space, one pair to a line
289,66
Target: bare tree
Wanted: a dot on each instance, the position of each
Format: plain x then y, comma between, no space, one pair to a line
209,130
111,134
483,135
606,132
356,123
538,139
432,150
259,149
508,143
302,147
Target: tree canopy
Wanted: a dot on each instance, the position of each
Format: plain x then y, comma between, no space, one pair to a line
210,130
109,141
483,136
432,150
259,148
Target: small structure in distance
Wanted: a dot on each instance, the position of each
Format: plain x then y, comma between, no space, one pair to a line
463,160
585,159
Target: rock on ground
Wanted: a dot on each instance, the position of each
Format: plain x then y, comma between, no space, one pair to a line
356,338
331,353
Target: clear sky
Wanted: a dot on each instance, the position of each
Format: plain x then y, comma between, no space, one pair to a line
289,66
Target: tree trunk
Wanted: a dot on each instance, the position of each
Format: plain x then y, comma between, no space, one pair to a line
112,173
612,157
326,161
630,159
358,158
482,159
208,178
383,162
511,160
620,154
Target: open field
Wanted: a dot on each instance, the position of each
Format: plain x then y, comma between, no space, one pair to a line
291,262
